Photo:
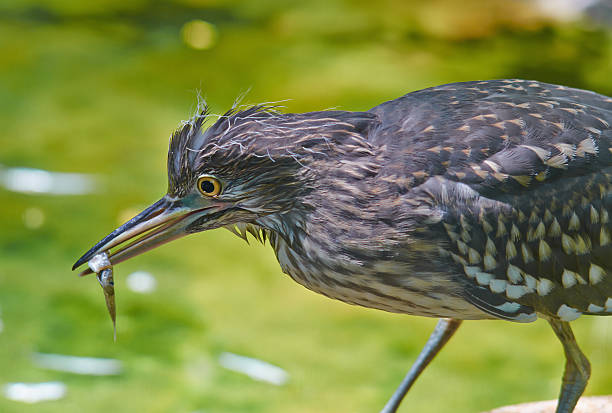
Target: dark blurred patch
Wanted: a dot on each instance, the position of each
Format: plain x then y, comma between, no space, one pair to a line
562,55
153,14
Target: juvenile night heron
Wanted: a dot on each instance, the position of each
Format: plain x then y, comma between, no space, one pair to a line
476,200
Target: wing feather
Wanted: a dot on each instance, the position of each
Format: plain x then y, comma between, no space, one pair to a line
521,173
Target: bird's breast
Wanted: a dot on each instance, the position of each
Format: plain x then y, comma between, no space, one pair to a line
389,285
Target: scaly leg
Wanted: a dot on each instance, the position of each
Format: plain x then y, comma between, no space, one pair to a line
577,368
444,330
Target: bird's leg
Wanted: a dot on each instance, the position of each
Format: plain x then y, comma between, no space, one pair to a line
577,367
444,330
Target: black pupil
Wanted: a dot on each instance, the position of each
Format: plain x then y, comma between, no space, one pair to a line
207,187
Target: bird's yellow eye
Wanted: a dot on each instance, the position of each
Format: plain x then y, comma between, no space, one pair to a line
209,186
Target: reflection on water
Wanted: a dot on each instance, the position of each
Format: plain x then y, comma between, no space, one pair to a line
35,392
254,368
199,34
38,181
565,9
78,365
141,282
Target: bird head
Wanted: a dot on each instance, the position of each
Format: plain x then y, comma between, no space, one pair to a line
250,167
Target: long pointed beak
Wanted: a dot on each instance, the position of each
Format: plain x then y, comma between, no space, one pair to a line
162,222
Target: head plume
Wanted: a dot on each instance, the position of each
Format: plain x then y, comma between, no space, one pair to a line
260,145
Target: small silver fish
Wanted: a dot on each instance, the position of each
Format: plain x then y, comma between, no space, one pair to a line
101,265
105,278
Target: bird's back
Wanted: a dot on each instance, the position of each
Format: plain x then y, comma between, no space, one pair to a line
518,174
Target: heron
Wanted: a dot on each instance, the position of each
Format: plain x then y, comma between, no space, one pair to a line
466,201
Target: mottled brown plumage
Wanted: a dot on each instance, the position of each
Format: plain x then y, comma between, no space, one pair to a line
466,201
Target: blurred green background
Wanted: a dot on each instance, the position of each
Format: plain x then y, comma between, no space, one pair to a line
97,88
